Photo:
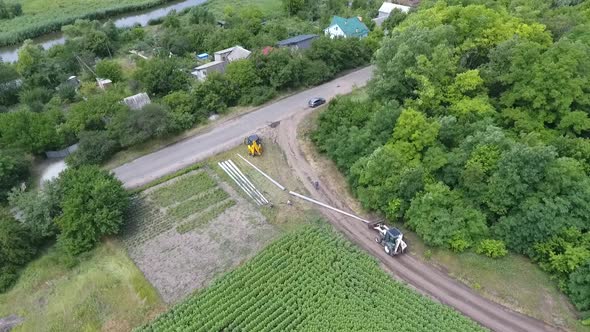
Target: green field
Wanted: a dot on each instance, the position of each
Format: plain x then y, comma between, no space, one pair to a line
44,16
310,280
104,292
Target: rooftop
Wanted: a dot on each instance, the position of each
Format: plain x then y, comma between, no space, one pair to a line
235,53
352,27
388,7
137,101
295,40
209,64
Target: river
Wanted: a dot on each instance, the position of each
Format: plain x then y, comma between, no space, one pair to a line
10,53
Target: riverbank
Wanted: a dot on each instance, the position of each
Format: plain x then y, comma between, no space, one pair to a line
41,17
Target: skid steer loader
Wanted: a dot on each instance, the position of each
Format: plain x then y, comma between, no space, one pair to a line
390,238
254,144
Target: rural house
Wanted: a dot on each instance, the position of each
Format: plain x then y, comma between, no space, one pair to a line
386,9
346,28
138,101
221,59
298,42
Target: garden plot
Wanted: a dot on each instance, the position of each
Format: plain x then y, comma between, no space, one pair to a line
184,232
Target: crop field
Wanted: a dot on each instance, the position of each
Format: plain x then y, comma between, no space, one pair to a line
310,280
44,16
185,231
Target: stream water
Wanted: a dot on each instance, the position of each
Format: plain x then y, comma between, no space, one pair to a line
10,53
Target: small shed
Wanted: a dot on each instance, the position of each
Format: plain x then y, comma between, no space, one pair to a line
202,56
104,83
298,42
232,54
201,72
138,101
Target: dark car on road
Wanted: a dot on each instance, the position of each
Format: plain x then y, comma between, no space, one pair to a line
315,102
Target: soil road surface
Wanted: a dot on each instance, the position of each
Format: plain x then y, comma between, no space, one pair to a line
290,111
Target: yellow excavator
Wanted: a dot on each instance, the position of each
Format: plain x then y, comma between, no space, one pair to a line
254,144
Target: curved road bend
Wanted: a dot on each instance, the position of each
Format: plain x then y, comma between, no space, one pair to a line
292,109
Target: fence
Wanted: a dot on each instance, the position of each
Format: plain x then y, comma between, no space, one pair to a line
62,153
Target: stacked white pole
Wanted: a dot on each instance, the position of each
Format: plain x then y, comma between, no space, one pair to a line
243,182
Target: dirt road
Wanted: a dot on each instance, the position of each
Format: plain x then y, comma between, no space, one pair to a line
421,276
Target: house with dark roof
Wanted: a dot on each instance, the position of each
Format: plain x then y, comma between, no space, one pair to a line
298,42
346,28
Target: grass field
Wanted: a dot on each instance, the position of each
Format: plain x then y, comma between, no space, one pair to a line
44,16
104,292
268,7
310,280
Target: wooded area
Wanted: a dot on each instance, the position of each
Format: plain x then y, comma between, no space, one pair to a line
476,133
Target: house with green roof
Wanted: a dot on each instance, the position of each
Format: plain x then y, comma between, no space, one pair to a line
346,28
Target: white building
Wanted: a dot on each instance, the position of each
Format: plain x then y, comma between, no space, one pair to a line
222,58
386,9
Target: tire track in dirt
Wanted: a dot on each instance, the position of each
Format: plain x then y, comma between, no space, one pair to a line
421,276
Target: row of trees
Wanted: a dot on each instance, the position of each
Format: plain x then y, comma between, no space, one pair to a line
103,125
476,133
79,208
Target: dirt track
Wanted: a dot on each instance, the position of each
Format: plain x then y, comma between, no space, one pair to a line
421,276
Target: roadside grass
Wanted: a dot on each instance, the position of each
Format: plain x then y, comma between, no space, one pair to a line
106,291
43,16
513,280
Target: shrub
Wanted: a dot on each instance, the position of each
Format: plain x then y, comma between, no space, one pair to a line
492,248
93,205
579,286
16,249
35,98
109,69
38,209
67,92
8,11
14,168
134,127
94,148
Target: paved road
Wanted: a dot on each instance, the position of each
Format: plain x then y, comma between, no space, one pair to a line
230,133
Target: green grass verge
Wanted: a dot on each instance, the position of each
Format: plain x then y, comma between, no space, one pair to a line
183,189
198,203
310,280
205,217
44,16
104,292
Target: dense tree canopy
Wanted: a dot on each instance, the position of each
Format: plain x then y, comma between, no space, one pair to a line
93,203
485,111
